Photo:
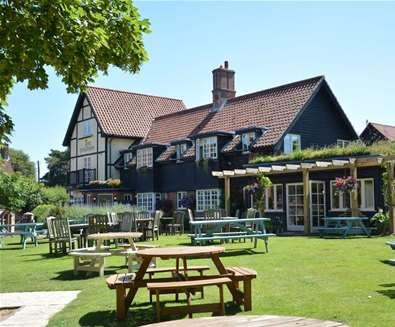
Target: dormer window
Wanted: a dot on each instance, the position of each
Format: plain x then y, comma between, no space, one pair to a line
291,143
206,148
126,158
180,150
246,140
343,143
144,157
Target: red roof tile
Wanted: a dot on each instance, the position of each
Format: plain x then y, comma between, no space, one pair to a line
387,131
273,108
124,114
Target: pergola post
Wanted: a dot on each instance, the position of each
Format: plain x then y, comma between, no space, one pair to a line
354,193
227,195
306,201
391,195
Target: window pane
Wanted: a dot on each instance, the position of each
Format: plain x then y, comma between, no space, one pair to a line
279,197
369,194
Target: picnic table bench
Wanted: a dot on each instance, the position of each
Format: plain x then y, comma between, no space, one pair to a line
248,228
344,226
24,230
187,286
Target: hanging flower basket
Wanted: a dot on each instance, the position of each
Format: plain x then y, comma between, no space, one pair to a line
346,184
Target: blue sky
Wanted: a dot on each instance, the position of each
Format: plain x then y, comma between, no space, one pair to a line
266,43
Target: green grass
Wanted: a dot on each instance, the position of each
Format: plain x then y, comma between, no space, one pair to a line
354,149
335,279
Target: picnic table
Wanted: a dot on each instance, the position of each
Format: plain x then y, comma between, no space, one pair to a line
24,230
252,228
134,283
344,226
250,321
92,259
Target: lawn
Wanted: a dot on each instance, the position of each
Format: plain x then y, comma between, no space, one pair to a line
343,280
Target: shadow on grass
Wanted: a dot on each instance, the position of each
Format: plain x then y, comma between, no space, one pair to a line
390,262
390,292
68,275
139,315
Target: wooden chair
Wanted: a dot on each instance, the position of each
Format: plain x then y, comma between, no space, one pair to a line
53,245
126,220
63,234
178,224
214,214
153,226
112,218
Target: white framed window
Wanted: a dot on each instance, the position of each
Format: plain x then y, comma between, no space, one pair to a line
342,143
87,162
246,140
146,201
274,198
206,148
144,157
342,201
180,196
86,128
207,199
180,149
291,143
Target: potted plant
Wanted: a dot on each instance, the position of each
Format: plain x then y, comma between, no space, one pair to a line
346,185
257,191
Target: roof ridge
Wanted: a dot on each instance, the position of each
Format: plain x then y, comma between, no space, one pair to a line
386,125
135,93
185,111
318,78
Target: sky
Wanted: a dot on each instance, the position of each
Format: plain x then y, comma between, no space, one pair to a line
266,43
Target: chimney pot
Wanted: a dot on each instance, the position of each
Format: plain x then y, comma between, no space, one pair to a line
223,86
226,64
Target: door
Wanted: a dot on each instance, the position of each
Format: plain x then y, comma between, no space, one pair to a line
317,204
295,207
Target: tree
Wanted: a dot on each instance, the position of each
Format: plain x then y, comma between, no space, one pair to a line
20,162
77,38
56,195
58,165
19,193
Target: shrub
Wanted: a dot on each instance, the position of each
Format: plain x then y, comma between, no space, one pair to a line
56,195
382,222
79,212
42,211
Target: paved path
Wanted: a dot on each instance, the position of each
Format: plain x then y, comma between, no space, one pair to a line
36,308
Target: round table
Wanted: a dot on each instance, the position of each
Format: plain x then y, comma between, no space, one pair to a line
101,237
248,321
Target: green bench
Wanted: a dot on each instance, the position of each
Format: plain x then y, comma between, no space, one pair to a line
24,230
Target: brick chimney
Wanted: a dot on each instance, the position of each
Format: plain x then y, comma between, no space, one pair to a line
223,86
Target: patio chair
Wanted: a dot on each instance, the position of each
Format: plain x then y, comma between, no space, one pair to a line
113,218
97,224
127,221
63,235
53,245
178,224
153,226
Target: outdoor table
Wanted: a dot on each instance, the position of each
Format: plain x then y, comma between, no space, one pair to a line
248,321
82,230
101,237
142,224
24,230
164,221
178,253
351,225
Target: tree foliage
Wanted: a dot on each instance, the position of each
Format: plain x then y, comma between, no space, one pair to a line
77,38
56,195
19,193
58,165
21,163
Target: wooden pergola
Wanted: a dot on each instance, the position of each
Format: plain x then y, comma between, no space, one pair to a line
352,163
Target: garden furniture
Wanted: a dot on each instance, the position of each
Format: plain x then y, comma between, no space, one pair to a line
24,230
152,229
143,219
344,226
80,230
252,228
62,235
177,225
89,260
249,321
187,287
392,245
127,285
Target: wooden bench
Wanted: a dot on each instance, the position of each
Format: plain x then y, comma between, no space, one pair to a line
245,275
332,230
188,286
236,236
172,270
89,261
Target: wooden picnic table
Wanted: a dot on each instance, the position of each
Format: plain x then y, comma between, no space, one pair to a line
345,226
24,230
215,229
101,237
249,321
179,253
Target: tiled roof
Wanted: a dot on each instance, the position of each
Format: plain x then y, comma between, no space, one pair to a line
386,130
124,114
273,108
167,154
233,144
